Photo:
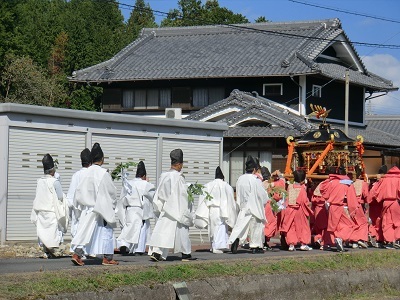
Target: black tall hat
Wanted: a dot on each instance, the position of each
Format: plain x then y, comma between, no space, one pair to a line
141,169
219,174
86,157
96,153
266,174
176,156
250,163
48,162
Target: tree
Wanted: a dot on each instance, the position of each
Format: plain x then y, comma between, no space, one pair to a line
261,19
25,82
57,56
191,13
141,17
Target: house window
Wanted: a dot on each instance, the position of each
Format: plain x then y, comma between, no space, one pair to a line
317,91
200,97
146,98
272,89
152,98
128,99
165,98
206,96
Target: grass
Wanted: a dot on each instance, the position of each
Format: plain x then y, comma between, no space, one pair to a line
37,285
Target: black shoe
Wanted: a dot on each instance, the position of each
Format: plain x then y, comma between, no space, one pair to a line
257,251
187,257
234,246
156,257
123,250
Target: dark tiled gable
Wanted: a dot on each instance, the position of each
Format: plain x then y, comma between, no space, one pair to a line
280,121
220,51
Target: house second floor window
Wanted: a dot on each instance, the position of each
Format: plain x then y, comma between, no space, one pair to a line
146,98
208,95
272,89
317,91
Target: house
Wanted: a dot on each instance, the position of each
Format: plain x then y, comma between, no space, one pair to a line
29,132
293,63
187,71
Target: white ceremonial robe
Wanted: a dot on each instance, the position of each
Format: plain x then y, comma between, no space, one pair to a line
218,213
251,198
74,212
49,213
96,196
174,210
134,210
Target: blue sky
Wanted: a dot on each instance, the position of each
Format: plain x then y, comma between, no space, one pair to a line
382,61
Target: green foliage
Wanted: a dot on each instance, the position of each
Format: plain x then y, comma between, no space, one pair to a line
261,19
274,206
85,98
141,17
117,172
197,189
25,82
191,13
37,285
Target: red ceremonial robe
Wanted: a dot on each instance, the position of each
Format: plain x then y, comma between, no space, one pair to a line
271,224
339,194
375,212
388,192
358,216
295,223
320,218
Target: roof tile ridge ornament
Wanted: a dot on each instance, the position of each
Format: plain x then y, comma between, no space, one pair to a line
311,64
236,94
304,43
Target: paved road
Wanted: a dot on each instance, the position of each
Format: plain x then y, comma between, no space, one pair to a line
18,265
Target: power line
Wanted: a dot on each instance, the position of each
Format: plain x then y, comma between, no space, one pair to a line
346,11
308,94
286,34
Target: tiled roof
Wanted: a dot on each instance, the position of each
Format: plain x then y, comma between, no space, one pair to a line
220,51
242,106
387,123
277,120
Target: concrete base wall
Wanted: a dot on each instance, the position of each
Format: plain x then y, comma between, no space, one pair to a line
320,285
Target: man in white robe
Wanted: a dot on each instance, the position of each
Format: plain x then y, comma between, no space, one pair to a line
251,198
74,212
96,195
174,213
49,212
217,213
134,211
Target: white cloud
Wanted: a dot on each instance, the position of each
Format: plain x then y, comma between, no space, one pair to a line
388,67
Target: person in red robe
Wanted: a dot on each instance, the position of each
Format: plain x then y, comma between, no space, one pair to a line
270,228
375,211
322,238
277,183
388,192
295,224
340,196
359,237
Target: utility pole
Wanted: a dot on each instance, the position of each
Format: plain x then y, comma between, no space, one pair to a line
346,103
